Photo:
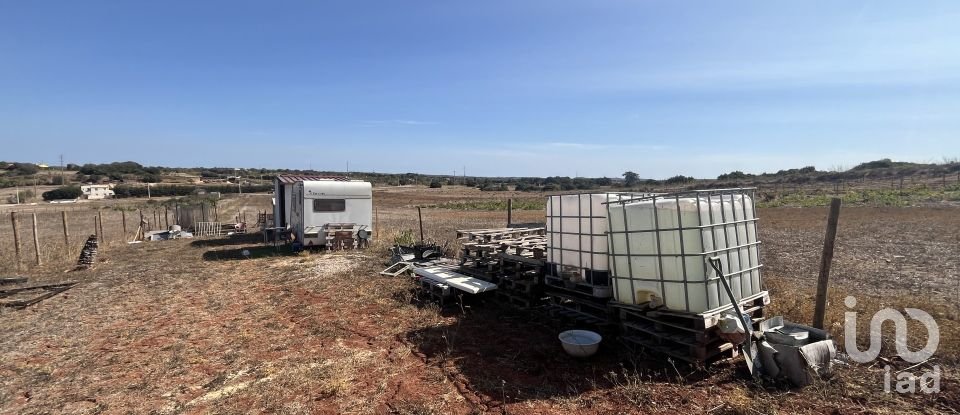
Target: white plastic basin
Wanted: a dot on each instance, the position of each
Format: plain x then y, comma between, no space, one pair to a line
580,343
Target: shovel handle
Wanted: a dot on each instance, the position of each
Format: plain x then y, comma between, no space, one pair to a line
753,365
718,266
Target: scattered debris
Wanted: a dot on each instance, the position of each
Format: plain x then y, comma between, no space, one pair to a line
26,296
12,280
174,233
795,352
404,259
397,269
416,253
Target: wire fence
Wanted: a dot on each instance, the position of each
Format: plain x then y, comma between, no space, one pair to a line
47,237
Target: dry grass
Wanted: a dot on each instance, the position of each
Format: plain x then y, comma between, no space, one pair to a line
190,327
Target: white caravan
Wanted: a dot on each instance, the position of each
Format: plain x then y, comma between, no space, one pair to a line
328,211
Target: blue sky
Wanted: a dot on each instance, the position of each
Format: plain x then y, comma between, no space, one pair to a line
538,88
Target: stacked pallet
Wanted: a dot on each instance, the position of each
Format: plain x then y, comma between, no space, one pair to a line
340,236
88,255
512,258
497,234
684,336
481,249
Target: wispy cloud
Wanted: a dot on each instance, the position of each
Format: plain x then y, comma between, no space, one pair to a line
571,145
599,146
400,122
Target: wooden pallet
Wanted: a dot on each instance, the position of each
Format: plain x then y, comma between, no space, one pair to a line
436,292
488,235
531,246
35,294
488,273
519,286
339,236
479,255
578,287
568,316
688,353
572,301
686,336
519,301
687,321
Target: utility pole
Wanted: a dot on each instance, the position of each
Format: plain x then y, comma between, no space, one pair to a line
62,182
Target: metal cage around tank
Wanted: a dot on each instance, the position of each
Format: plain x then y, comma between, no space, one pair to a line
591,274
706,229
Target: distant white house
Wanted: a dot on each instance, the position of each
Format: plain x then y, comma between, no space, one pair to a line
97,191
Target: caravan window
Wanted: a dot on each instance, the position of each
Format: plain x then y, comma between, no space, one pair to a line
329,205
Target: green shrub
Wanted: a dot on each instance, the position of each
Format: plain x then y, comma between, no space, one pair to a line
65,192
21,196
405,238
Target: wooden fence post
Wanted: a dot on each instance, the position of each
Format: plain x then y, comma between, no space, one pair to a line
509,211
420,217
825,261
166,218
36,238
103,238
123,219
66,233
376,223
16,237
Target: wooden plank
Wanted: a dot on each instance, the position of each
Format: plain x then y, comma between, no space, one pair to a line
49,291
7,292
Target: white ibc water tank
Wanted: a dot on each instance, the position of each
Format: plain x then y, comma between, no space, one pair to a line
660,249
576,229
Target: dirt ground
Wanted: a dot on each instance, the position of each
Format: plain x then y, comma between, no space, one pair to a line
192,326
